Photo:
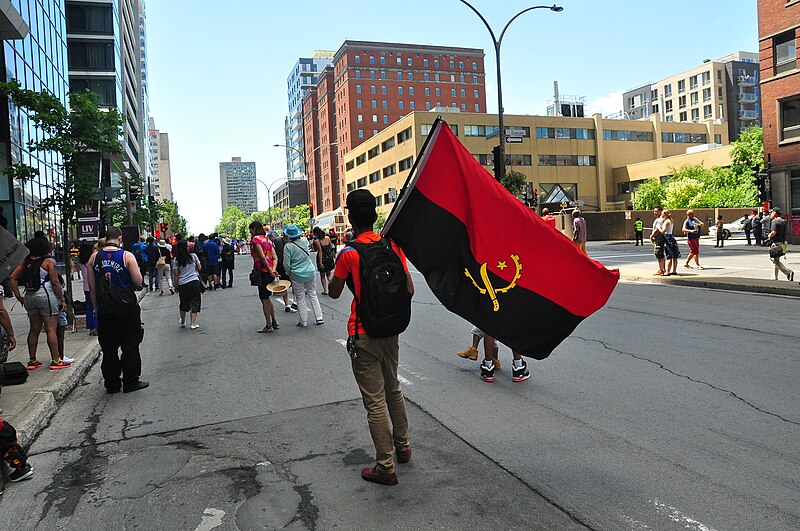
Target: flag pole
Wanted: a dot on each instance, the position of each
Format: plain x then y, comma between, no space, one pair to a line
412,174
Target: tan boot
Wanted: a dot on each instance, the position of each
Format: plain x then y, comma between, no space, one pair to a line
471,353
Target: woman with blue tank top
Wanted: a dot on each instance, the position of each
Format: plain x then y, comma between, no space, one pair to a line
43,300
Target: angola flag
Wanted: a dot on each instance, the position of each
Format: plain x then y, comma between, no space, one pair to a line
489,258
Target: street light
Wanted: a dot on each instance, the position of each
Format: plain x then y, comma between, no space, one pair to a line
500,168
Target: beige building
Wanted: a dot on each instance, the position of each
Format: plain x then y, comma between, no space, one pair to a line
566,159
161,181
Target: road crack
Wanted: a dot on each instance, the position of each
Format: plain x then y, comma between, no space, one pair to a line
684,376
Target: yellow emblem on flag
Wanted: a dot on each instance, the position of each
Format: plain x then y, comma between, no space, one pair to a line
488,287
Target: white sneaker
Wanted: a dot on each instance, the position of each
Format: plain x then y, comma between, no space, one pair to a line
67,359
194,327
181,324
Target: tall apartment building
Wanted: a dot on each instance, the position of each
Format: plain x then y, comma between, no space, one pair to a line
34,52
145,136
319,115
160,175
375,84
103,44
778,38
237,182
301,79
725,90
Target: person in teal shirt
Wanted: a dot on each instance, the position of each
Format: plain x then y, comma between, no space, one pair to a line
300,268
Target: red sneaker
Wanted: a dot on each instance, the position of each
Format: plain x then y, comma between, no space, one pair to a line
376,476
403,456
34,364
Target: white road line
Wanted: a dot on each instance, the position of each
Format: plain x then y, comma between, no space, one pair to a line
404,381
212,518
342,342
676,516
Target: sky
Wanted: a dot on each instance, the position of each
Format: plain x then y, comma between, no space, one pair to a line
217,70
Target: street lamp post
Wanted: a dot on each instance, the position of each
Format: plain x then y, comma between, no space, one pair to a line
500,168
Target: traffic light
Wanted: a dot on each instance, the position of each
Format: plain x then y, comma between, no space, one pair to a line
535,198
497,163
164,228
760,179
311,211
135,192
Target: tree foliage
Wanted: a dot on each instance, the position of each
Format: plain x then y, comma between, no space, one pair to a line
170,214
514,182
230,219
694,186
72,134
651,193
381,221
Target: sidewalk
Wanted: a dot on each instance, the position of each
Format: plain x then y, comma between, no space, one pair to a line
30,406
735,267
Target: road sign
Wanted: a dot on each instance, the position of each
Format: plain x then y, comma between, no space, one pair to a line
515,132
513,140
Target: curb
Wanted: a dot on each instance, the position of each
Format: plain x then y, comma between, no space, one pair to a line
45,406
778,288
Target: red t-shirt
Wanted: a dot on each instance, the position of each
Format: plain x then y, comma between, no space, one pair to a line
348,264
266,246
550,220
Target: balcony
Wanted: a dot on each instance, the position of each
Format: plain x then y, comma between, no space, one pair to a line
748,115
747,81
747,97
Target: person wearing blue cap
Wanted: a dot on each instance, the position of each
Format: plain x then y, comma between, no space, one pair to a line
300,268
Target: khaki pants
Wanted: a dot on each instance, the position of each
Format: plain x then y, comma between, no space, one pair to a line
375,370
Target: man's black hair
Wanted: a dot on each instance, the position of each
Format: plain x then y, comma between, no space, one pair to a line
363,218
39,246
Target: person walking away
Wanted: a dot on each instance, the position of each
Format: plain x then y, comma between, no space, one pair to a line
301,271
671,248
212,253
549,218
326,257
187,280
638,232
756,220
228,264
43,300
73,260
279,243
720,232
84,254
374,359
692,228
119,325
264,262
153,254
748,228
657,239
13,453
777,244
579,230
165,271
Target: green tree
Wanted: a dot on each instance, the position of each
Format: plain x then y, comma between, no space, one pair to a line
683,193
381,221
514,182
748,150
230,218
71,134
300,216
650,194
170,214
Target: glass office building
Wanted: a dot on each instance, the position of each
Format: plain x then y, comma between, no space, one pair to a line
39,62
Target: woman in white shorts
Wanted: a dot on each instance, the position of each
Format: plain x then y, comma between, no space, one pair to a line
43,300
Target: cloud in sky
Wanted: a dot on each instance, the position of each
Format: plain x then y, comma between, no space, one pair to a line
609,104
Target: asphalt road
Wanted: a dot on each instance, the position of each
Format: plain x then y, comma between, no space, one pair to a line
671,408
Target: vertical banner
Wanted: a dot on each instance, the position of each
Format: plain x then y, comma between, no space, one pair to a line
89,223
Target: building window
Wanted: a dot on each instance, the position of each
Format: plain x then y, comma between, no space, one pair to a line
399,91
372,59
695,114
385,119
358,104
389,171
358,89
474,66
682,116
461,65
401,104
427,91
374,152
693,82
681,86
410,62
425,63
383,60
358,74
360,133
668,90
374,177
410,76
406,163
477,107
410,91
693,98
707,111
372,74
426,77
358,59
384,104
427,105
411,105
790,119
360,118
706,94
373,89
438,91
785,52
374,118
388,144
436,63
475,79
404,135
399,62
361,182
374,104
383,89
681,102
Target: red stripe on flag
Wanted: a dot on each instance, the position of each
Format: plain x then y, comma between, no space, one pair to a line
500,226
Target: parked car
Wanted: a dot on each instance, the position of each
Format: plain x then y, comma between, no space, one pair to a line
729,229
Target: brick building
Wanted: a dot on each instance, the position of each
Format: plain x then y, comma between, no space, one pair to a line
374,84
778,35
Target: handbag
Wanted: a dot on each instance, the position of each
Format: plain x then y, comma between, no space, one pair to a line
255,277
161,262
777,250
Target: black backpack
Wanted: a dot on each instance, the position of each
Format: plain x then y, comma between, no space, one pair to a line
384,306
113,298
31,276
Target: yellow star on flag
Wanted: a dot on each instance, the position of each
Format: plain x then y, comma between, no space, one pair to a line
501,265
